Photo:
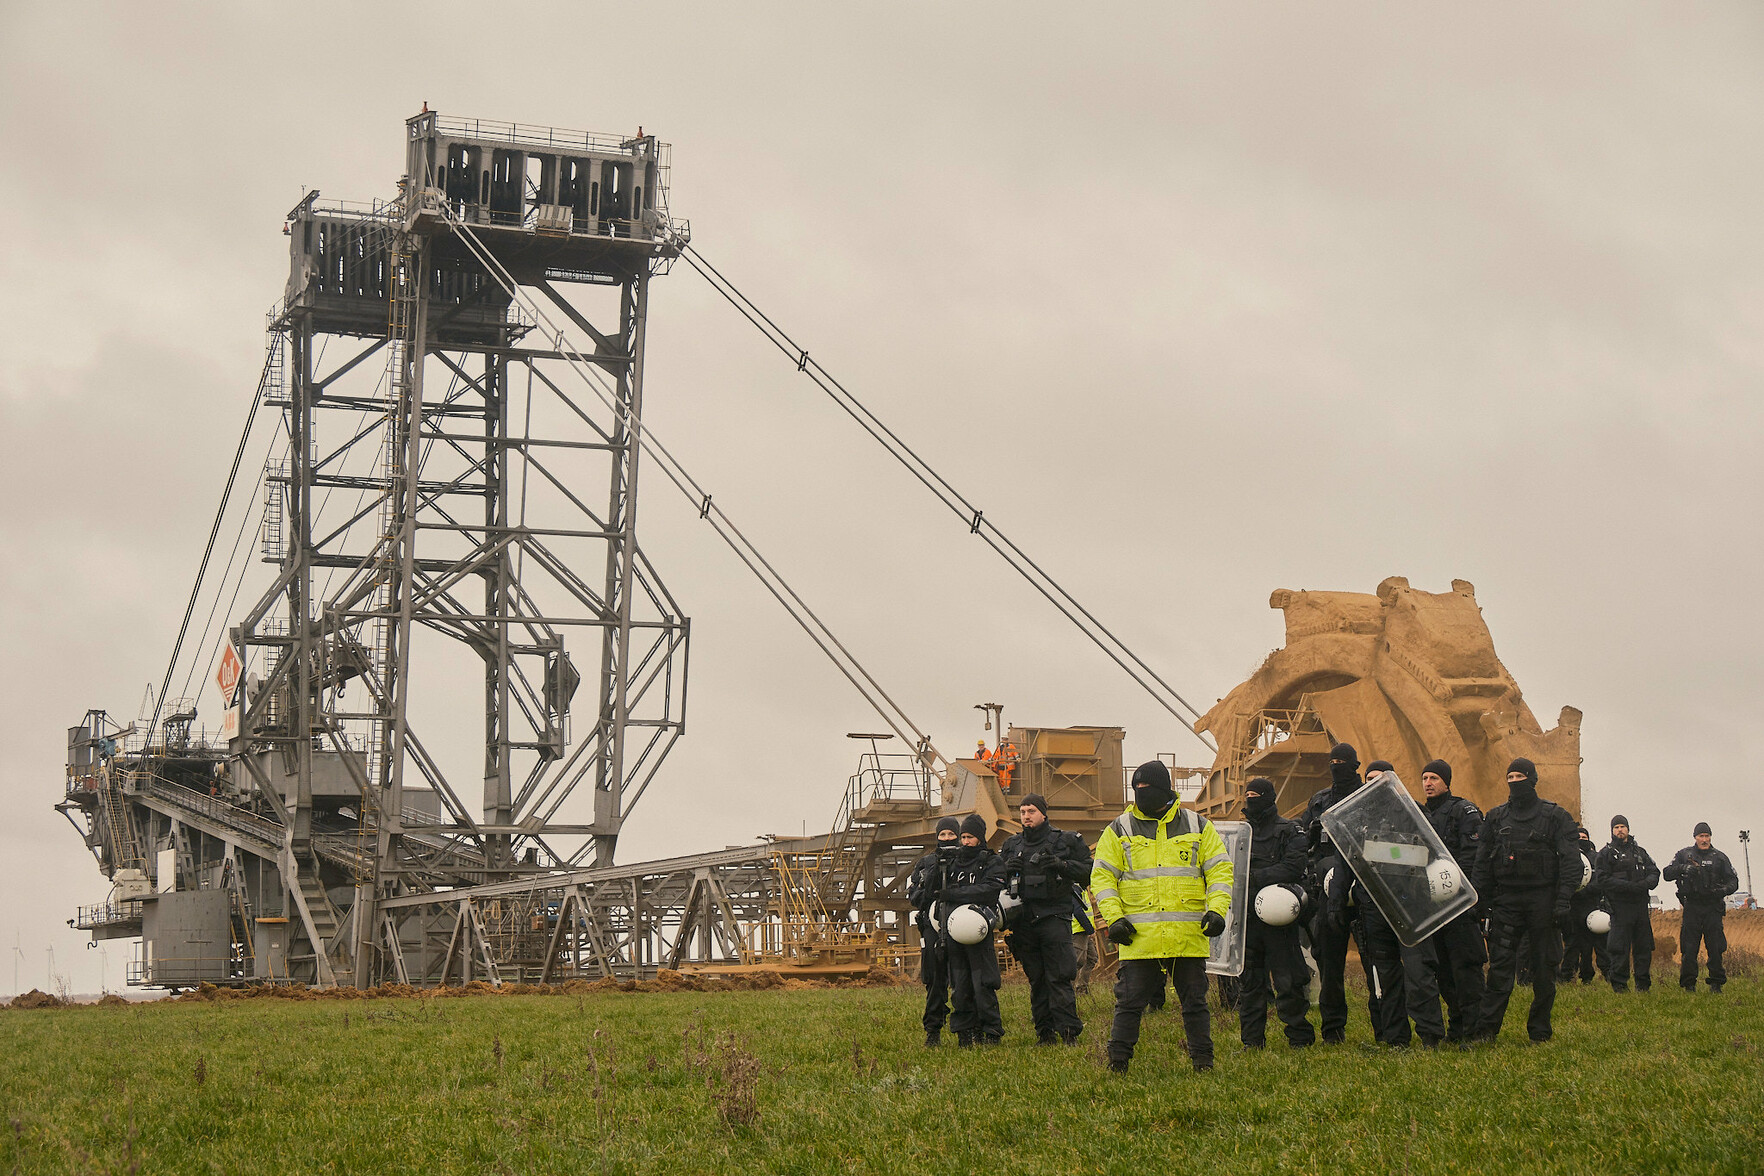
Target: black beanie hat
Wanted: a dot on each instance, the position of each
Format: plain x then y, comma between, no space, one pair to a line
1261,785
1380,766
1619,819
1153,772
1524,765
1441,769
976,824
1702,827
1345,753
1036,799
950,823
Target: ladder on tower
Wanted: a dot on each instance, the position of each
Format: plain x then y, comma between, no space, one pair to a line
119,822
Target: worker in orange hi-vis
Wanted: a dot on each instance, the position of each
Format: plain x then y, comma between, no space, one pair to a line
983,753
1004,763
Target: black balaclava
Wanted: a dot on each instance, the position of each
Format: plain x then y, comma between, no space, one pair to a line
1259,803
1152,793
953,826
1344,767
1583,835
1620,819
1524,793
1441,769
1379,767
976,824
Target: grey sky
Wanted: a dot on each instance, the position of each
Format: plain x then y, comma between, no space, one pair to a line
1197,302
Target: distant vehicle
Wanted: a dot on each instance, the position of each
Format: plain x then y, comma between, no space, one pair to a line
1741,901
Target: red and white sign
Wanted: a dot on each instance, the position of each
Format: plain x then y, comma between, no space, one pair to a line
230,723
226,675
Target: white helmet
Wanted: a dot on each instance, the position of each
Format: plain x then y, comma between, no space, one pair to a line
1444,879
1598,921
1008,901
1585,873
1276,906
968,924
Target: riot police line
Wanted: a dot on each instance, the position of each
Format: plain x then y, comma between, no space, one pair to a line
1447,907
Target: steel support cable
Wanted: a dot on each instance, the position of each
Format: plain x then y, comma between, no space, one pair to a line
958,504
209,645
805,617
213,533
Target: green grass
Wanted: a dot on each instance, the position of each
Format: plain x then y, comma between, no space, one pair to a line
602,1083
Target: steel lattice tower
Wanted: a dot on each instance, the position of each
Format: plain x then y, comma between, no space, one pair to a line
474,528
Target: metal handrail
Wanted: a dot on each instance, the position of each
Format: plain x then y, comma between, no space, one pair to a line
529,135
106,914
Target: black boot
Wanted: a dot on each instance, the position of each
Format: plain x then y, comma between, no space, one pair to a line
965,1040
933,1038
1119,1056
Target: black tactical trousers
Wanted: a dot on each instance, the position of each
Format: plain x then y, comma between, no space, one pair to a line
1631,932
1329,950
1271,954
1050,961
973,990
934,974
1134,984
1521,914
1461,953
1702,922
1581,950
1407,984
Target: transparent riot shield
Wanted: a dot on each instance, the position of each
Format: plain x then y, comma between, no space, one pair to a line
1392,849
1225,953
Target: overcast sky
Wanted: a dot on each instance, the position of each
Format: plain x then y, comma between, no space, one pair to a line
1196,301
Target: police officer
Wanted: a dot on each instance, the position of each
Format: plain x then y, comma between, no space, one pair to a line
1043,864
1627,875
1271,954
1349,909
1528,865
1705,878
923,886
973,877
1582,947
1458,947
1163,880
1329,942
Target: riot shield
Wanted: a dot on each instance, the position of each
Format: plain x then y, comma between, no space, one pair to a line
1225,952
1392,849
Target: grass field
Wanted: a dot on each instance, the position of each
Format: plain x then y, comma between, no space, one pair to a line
840,1082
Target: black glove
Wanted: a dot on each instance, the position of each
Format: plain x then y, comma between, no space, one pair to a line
1212,924
1122,932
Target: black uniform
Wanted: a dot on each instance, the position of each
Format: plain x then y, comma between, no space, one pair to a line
973,876
1277,858
1582,947
1043,866
1627,875
922,888
1527,866
1705,878
1329,943
1458,946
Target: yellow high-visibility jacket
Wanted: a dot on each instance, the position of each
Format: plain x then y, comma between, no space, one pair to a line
1162,876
